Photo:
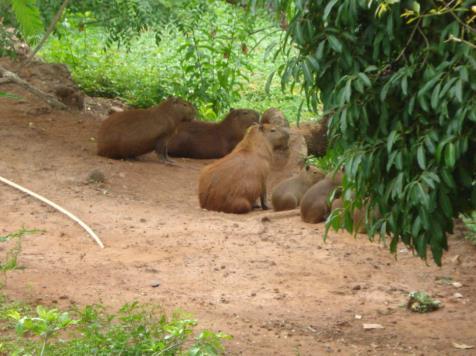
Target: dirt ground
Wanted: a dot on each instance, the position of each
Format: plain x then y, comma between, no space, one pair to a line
274,285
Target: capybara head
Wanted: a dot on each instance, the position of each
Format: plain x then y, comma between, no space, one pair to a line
312,174
180,109
276,117
277,136
240,119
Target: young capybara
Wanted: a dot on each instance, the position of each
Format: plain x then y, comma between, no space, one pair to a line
287,194
314,205
200,139
135,132
233,184
275,117
358,217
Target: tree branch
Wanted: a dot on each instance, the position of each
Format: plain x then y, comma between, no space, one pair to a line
12,77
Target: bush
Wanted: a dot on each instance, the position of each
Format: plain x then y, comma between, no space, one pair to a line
134,330
398,78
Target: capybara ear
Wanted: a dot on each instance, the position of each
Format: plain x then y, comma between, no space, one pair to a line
307,167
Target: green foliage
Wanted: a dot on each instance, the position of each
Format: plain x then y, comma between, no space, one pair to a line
11,257
470,223
218,58
6,42
28,18
134,330
399,79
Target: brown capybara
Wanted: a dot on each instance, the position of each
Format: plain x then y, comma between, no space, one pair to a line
314,205
233,184
287,194
200,139
358,217
275,117
135,132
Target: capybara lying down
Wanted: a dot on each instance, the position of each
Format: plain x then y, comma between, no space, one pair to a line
314,205
233,183
200,139
287,194
135,132
275,117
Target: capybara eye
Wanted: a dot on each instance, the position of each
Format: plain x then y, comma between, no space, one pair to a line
273,130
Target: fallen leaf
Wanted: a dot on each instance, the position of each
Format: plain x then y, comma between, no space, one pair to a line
462,346
372,326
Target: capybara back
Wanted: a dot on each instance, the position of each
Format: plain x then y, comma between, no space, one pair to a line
135,132
200,139
287,194
314,205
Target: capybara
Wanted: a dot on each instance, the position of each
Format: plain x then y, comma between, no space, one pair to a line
358,217
287,194
135,132
314,205
233,184
315,135
200,139
275,117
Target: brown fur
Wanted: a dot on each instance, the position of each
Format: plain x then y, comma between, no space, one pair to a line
135,132
233,183
314,205
315,135
358,216
200,139
275,117
287,194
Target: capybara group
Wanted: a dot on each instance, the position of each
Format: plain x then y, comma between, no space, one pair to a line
200,139
135,132
314,205
287,194
234,183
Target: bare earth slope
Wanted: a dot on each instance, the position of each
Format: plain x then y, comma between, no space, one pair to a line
274,285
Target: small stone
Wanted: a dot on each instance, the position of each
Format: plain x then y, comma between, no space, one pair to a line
457,284
358,317
357,287
457,296
155,284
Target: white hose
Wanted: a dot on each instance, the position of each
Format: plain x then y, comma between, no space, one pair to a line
57,207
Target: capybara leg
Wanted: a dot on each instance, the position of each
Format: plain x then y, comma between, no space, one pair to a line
161,150
264,206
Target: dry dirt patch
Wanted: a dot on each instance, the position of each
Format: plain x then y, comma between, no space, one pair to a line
276,286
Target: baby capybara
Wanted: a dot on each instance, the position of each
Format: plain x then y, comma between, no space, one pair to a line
233,183
275,117
287,194
200,139
314,205
135,132
358,217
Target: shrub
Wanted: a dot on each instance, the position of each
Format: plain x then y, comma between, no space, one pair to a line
398,78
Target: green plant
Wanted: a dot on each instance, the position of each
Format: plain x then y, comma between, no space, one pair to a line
398,79
26,17
45,324
11,257
134,330
470,223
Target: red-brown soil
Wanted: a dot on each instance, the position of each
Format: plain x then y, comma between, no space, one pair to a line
275,285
